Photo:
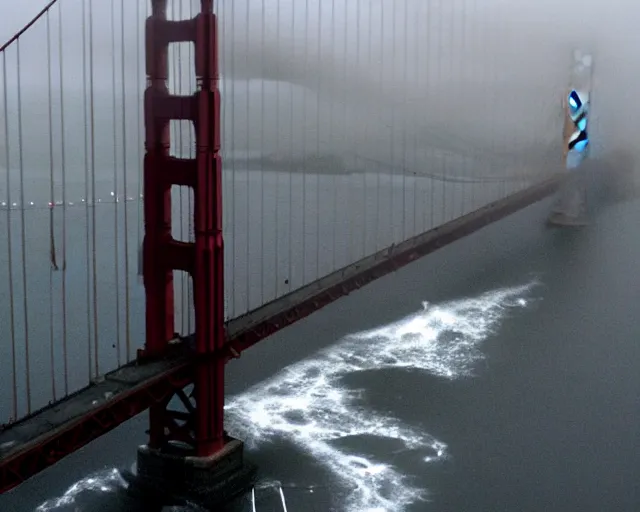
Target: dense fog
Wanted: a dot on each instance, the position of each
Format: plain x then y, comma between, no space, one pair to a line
403,83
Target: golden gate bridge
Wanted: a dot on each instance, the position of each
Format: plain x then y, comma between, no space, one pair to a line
327,144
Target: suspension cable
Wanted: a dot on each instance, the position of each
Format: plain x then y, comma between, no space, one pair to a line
304,143
234,230
278,150
125,177
262,131
12,314
247,220
65,355
93,194
116,238
141,138
318,124
53,265
23,230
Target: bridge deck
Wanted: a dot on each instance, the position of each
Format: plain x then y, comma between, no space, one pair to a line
49,435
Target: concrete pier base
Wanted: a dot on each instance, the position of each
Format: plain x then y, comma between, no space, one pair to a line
210,482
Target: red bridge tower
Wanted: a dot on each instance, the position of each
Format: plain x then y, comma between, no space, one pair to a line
188,454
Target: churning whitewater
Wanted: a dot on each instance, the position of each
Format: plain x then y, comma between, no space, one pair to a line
308,404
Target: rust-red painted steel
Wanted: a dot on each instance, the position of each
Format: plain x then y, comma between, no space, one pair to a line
49,448
203,260
157,243
209,247
44,452
158,272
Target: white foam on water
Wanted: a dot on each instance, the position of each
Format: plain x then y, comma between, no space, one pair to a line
102,482
308,404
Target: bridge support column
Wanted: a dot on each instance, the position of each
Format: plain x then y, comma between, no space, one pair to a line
209,482
189,455
571,206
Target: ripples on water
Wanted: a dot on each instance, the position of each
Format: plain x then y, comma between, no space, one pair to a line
308,405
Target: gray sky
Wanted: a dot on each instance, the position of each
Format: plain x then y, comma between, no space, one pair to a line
14,18
362,73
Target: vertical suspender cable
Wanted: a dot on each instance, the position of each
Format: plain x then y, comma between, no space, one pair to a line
405,81
262,130
474,44
140,145
348,243
125,177
359,142
192,154
87,198
116,248
51,216
93,194
430,154
292,131
63,163
508,139
334,209
493,52
367,141
442,171
393,126
234,198
418,22
450,160
278,149
487,97
23,229
12,319
462,80
247,168
305,85
319,84
378,167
